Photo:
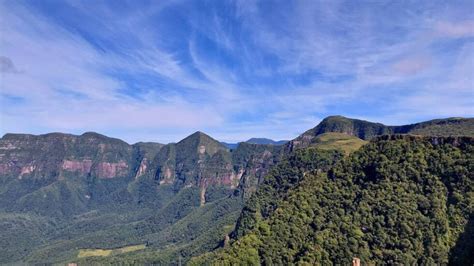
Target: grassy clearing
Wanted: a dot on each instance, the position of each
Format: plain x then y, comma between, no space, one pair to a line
130,248
340,141
94,253
83,253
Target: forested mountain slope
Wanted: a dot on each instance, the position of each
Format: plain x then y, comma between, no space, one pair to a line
61,193
400,200
75,198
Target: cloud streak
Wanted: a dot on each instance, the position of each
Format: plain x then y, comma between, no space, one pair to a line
235,69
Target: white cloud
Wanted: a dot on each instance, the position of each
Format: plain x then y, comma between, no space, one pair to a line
274,74
53,62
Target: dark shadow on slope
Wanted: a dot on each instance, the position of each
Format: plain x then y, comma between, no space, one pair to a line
463,252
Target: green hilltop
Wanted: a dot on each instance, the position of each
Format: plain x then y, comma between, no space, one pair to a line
367,130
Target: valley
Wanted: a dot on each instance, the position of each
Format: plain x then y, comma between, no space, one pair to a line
94,199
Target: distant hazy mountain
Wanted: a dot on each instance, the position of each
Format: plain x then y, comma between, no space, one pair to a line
266,141
230,145
263,141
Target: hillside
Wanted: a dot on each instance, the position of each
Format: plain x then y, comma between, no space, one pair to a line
61,192
63,195
367,130
335,141
399,199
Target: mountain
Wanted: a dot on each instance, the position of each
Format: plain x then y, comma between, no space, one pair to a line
95,199
400,199
70,172
230,145
266,141
263,141
367,130
190,161
61,192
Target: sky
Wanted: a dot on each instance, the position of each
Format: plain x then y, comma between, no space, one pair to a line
161,70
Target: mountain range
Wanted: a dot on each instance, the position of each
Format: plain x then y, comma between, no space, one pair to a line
256,141
95,199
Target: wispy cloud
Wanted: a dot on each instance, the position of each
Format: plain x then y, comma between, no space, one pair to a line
235,69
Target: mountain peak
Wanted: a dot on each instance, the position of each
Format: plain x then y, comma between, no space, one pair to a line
93,134
199,136
201,142
335,117
344,119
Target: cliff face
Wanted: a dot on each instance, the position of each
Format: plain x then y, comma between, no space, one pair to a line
199,160
90,182
195,160
66,171
55,156
78,172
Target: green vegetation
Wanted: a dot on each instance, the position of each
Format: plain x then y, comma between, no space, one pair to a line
83,253
62,195
48,214
338,141
367,130
445,127
398,200
282,178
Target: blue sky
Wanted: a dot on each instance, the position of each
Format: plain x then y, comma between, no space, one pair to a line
160,70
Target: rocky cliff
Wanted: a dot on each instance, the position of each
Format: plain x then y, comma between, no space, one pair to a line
61,166
66,171
201,161
55,156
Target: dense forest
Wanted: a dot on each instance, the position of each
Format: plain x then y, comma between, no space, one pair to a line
337,191
400,200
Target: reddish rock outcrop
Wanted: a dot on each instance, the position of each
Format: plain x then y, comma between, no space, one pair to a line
203,196
142,168
81,166
25,170
202,149
111,170
167,176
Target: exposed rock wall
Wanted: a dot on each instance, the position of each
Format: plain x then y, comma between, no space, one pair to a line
196,161
82,167
112,170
